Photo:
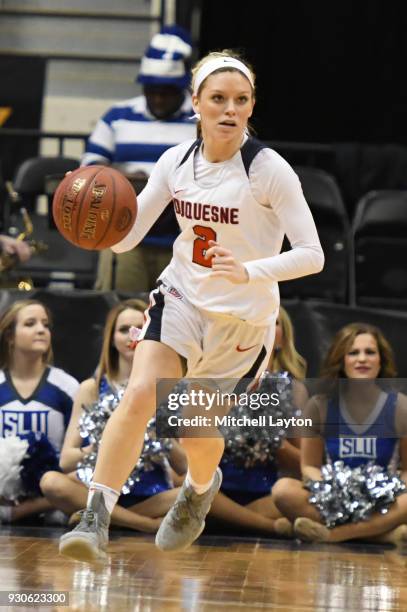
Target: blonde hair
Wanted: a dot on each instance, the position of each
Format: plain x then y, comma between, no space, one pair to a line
214,55
333,365
109,357
287,359
8,323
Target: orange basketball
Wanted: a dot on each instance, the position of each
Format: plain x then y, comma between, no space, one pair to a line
94,207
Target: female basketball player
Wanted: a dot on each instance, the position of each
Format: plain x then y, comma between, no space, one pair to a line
213,313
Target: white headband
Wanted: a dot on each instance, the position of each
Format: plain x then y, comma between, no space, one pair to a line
220,62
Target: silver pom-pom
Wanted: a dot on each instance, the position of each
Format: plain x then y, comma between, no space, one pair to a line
164,429
12,452
352,495
91,426
251,444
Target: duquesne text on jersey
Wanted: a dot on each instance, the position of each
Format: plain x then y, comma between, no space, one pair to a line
206,212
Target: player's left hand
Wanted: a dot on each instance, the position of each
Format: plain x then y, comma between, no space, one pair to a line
224,265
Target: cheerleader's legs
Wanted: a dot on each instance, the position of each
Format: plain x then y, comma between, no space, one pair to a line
30,507
229,511
65,492
291,499
265,506
376,525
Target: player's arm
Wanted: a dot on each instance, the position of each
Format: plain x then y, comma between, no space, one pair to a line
312,445
72,451
300,394
311,458
288,457
151,202
403,458
401,431
280,188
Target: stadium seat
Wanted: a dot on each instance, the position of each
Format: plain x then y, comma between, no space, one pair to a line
329,318
325,201
10,295
307,333
79,318
380,246
29,180
62,263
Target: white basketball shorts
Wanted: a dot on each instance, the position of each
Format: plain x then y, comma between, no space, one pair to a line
214,345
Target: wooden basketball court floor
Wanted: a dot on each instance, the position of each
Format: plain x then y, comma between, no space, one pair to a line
216,573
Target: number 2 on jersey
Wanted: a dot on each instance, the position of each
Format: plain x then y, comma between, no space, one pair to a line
201,244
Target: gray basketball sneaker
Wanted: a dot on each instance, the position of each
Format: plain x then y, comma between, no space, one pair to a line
89,540
185,521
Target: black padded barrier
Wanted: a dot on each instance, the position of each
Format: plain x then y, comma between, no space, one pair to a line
325,201
79,317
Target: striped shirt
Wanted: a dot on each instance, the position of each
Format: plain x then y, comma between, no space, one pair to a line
129,138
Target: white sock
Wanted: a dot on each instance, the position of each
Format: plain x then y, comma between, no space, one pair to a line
198,488
110,496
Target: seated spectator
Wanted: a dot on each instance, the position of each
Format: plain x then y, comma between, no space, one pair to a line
131,137
152,495
245,498
357,412
35,403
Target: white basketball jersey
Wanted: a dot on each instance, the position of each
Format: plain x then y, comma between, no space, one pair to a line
228,214
217,201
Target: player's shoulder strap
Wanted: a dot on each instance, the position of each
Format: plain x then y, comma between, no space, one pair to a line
251,147
195,145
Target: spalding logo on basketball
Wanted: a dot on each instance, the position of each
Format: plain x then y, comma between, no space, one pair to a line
94,207
124,220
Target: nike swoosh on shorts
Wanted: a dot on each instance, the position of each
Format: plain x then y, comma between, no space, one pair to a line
242,350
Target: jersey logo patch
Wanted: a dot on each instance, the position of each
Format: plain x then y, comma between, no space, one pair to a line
357,447
175,293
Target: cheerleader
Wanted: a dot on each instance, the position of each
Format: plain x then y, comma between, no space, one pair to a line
356,421
35,402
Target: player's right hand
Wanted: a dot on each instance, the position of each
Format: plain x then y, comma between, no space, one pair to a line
224,264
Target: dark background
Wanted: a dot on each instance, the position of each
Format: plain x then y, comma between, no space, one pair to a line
21,88
327,70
